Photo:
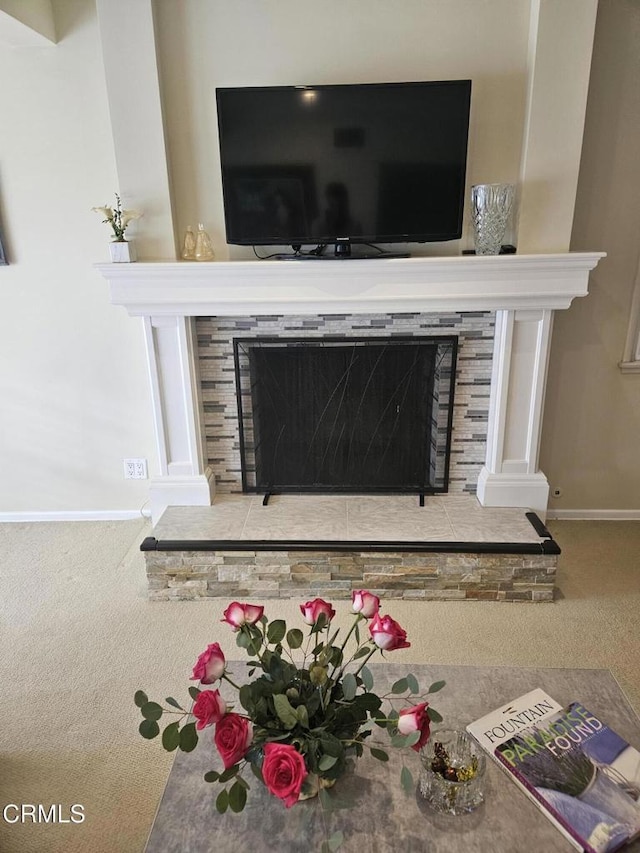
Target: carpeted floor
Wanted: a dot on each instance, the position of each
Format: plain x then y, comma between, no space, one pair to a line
79,637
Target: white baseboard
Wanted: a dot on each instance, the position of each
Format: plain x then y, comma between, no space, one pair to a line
594,514
74,515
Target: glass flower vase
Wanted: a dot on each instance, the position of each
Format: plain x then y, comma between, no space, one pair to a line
491,206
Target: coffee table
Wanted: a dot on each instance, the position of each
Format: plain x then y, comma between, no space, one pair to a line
384,819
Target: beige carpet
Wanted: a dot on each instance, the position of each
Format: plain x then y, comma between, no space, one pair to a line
79,637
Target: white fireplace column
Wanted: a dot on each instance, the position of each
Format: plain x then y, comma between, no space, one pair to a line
523,290
177,415
510,476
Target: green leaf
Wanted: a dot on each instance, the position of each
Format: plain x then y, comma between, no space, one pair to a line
285,712
211,776
437,685
229,773
174,704
194,692
380,754
367,678
243,640
149,729
327,762
303,716
349,686
413,738
222,802
357,634
237,796
325,800
151,711
434,716
331,745
335,841
406,780
246,697
276,630
362,653
320,624
188,738
171,737
368,701
336,656
242,782
295,638
400,686
257,772
412,681
403,741
140,698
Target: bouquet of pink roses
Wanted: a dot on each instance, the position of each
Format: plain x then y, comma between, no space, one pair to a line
298,720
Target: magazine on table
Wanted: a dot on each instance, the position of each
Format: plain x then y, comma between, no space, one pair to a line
583,775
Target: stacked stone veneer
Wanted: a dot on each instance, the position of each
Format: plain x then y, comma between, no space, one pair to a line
474,330
258,575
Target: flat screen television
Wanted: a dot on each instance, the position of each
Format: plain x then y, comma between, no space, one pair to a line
333,166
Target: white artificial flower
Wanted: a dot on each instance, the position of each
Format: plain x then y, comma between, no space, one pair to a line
107,212
128,216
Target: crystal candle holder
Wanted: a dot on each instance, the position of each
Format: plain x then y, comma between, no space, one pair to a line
452,775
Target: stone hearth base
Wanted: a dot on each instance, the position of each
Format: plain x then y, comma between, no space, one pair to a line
328,545
258,574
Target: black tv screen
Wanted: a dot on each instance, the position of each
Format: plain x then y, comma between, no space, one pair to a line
344,164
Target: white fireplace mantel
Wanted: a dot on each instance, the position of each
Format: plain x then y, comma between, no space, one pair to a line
523,290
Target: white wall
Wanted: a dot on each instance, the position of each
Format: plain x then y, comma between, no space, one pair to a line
73,380
591,436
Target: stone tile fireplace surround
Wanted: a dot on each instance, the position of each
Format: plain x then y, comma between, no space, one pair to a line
503,304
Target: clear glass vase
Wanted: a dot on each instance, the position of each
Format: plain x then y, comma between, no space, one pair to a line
491,206
464,790
203,249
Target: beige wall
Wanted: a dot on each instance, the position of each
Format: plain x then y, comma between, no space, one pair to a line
591,436
73,386
208,43
73,367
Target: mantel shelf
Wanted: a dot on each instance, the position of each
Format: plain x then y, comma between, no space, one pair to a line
452,283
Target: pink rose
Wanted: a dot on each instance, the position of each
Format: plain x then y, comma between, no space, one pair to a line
365,603
233,736
311,611
209,708
415,719
387,634
238,614
283,771
210,665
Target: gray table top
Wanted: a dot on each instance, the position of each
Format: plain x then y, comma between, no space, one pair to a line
384,818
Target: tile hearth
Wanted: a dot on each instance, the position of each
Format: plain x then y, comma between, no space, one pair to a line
327,545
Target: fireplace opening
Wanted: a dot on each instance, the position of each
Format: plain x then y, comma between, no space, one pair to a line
339,414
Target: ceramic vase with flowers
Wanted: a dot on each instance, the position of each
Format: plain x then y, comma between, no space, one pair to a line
121,250
308,706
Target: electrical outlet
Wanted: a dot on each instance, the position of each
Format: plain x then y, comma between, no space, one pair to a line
135,469
557,493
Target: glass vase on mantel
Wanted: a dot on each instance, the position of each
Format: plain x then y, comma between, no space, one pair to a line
203,249
122,251
491,206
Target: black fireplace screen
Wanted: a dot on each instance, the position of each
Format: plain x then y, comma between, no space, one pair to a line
352,415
